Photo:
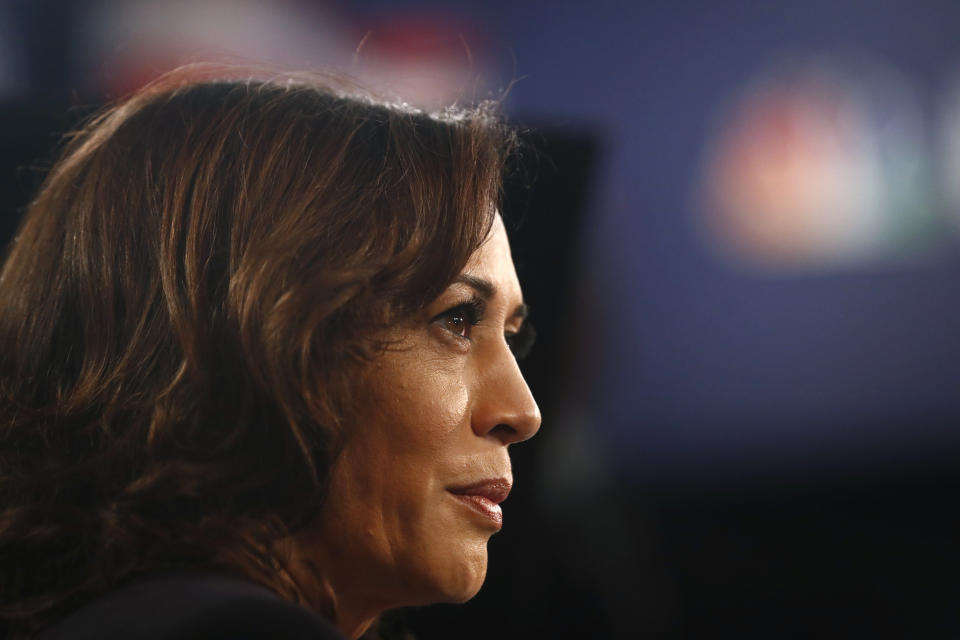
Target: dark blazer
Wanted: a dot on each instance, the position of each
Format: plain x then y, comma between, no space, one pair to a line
191,605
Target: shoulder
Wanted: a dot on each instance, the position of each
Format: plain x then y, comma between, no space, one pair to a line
188,605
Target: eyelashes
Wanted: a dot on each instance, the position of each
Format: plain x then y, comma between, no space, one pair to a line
521,342
462,318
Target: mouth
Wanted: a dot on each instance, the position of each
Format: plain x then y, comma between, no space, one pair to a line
484,498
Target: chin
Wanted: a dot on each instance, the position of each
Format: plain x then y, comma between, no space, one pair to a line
460,580
465,591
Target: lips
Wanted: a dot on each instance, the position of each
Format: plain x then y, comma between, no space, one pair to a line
484,498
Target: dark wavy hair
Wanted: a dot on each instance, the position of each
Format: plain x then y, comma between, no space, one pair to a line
184,310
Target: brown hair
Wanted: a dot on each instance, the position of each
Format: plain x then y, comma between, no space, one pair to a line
184,308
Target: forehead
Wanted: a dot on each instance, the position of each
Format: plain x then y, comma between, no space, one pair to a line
494,262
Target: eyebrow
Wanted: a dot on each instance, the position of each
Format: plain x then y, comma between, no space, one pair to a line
487,290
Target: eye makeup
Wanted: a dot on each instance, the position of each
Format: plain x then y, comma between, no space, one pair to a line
521,342
461,318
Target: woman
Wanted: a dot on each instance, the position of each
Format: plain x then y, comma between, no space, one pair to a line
257,366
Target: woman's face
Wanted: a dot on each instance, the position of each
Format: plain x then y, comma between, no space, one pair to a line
413,494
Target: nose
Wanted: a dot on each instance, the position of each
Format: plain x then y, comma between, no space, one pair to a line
505,408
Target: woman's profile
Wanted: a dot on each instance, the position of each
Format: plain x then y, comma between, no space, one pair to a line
258,372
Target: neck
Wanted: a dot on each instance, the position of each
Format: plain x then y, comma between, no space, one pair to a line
316,590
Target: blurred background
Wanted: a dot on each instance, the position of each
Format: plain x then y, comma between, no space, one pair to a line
738,224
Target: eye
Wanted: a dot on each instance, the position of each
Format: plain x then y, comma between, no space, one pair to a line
461,319
521,342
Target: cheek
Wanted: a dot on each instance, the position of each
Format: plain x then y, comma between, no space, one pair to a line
403,449
388,495
428,408
447,554
421,452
